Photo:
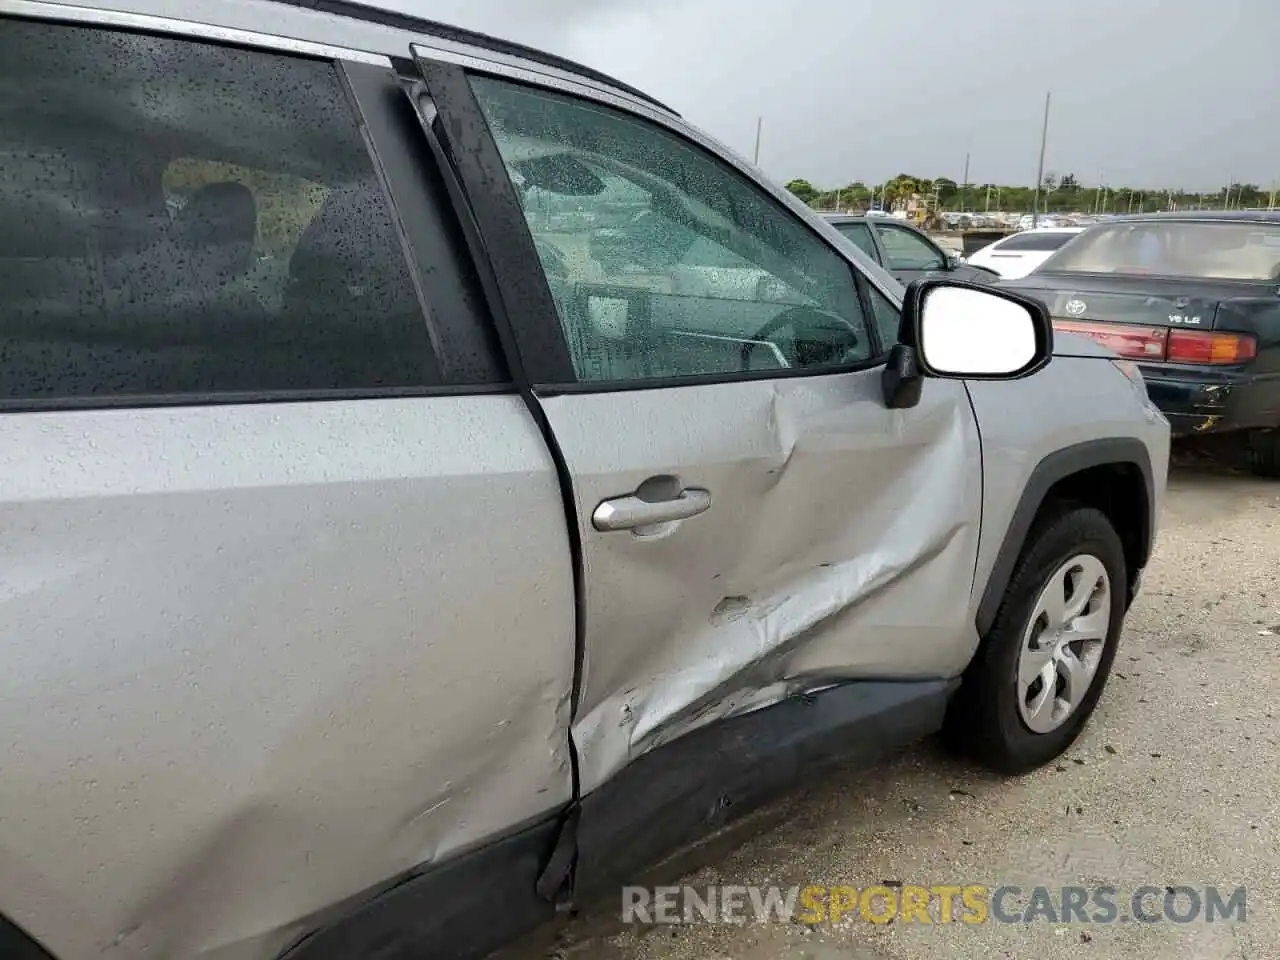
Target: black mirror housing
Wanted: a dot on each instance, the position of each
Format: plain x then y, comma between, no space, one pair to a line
901,380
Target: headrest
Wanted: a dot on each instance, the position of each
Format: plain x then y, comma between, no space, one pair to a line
218,214
349,241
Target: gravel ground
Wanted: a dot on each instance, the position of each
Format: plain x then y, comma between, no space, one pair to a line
1175,781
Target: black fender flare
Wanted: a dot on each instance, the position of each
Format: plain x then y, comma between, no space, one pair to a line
1053,468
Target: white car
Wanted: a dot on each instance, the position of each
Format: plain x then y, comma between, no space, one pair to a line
1018,254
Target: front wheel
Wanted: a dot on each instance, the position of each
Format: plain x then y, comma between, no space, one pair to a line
1039,672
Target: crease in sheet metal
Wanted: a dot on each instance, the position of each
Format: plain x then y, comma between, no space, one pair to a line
800,608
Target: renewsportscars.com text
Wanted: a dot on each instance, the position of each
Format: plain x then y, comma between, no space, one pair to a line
937,903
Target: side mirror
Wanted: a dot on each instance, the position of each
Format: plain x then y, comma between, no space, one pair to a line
953,259
956,329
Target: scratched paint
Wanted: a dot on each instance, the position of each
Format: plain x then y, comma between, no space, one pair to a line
840,544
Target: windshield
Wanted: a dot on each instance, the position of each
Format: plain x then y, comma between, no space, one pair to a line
1201,250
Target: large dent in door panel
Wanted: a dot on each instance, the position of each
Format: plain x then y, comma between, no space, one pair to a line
843,538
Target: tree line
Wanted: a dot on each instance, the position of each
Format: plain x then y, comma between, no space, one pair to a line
1062,194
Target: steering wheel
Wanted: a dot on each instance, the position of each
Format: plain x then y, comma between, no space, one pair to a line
819,348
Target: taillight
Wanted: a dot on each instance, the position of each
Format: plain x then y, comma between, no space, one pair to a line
1139,343
1161,344
1200,346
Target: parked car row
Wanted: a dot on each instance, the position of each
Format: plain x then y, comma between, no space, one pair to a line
395,557
987,220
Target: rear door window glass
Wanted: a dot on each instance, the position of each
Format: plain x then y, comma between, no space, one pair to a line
860,234
182,218
906,250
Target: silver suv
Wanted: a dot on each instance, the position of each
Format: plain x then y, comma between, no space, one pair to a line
381,570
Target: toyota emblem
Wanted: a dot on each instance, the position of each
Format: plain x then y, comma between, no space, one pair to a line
1076,307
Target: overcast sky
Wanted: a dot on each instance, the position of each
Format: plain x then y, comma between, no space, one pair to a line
1150,92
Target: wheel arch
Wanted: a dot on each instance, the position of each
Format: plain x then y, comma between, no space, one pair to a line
1112,474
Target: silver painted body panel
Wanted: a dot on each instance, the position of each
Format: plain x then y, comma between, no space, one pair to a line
257,659
840,544
1074,399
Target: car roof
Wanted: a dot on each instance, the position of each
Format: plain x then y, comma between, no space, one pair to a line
1254,216
355,26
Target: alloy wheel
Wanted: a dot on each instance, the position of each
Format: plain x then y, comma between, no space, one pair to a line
1063,643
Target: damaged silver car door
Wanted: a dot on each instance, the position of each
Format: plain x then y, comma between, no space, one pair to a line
755,522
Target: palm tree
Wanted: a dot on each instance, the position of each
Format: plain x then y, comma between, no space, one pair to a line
900,189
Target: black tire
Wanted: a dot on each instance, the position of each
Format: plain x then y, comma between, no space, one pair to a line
1262,452
983,720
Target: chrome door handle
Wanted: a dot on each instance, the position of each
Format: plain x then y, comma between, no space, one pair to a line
630,512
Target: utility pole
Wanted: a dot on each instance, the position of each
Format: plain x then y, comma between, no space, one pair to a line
759,125
839,192
1044,137
988,198
964,187
1271,204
